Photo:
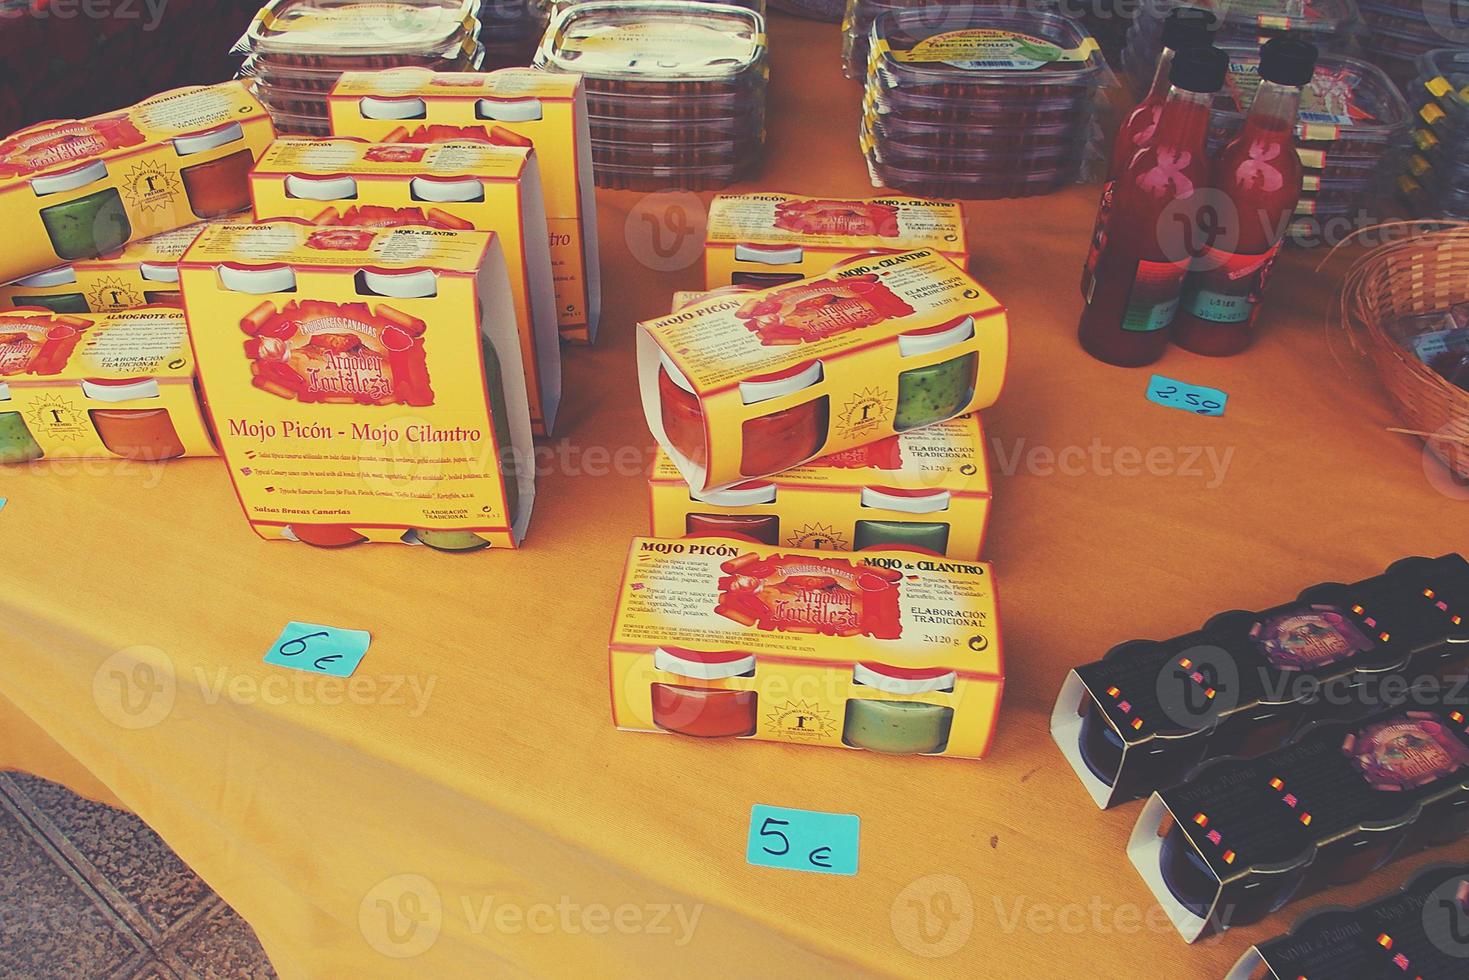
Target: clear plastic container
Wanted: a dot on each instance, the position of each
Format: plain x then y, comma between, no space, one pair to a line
360,34
740,153
702,178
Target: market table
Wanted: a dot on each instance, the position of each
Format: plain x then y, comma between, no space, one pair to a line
465,808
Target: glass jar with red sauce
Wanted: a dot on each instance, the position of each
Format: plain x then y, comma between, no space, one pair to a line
145,434
219,186
764,528
775,442
697,708
683,416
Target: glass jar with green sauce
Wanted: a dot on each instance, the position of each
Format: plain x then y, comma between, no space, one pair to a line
87,226
17,445
55,302
899,727
937,391
931,536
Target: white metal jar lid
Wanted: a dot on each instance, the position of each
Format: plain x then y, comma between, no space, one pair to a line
341,188
51,277
411,284
518,110
674,374
402,107
936,338
274,279
447,190
904,680
769,254
208,140
703,665
740,495
123,390
159,271
69,180
767,386
909,501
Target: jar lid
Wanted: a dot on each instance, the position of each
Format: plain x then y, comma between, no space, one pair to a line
932,339
4,392
447,190
269,279
402,107
917,501
51,277
159,271
69,180
674,374
703,665
518,110
769,254
340,188
119,389
739,495
764,387
208,140
411,284
904,680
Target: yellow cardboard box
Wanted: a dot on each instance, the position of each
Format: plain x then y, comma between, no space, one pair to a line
925,489
766,239
144,273
885,650
742,386
98,386
354,377
461,186
86,187
513,107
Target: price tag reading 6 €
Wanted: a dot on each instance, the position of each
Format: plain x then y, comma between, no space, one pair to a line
803,840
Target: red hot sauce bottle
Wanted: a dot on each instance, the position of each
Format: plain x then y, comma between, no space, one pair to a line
1257,183
1154,223
1186,27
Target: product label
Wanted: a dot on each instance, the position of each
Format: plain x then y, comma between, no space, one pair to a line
1309,638
1407,753
54,146
894,223
292,243
1230,288
991,50
831,596
506,83
475,158
803,314
1330,99
38,344
1099,236
1155,295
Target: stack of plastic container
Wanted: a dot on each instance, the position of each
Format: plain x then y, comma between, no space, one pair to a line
1400,32
986,101
1352,125
675,91
510,31
1436,182
296,49
1331,25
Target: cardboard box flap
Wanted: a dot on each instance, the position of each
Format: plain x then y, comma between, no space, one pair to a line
302,245
152,342
463,158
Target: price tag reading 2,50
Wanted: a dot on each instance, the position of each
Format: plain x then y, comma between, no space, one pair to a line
803,840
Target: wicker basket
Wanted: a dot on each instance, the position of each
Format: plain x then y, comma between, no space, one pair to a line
1426,272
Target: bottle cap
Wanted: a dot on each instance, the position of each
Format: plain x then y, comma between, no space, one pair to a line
1199,69
1189,27
1288,61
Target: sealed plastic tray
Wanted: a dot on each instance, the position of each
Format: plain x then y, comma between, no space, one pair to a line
323,80
740,153
290,124
998,161
971,187
940,136
920,108
292,103
981,51
688,107
644,46
372,34
669,178
748,126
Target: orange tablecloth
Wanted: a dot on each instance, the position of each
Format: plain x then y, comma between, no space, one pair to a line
467,799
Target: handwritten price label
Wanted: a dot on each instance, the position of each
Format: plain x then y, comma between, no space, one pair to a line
803,840
1186,397
319,649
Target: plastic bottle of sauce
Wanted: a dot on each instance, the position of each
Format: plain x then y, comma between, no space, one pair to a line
1153,227
1259,174
1186,27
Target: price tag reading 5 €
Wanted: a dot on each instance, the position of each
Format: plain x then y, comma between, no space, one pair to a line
803,840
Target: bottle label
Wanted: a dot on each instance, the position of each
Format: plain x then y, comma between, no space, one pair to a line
1230,288
1099,237
1155,294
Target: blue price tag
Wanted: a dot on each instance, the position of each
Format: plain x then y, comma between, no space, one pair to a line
1186,397
803,840
319,649
3,502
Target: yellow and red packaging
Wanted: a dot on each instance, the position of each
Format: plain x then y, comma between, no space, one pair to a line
144,273
459,186
509,107
925,489
98,386
764,239
745,385
353,376
82,188
889,651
